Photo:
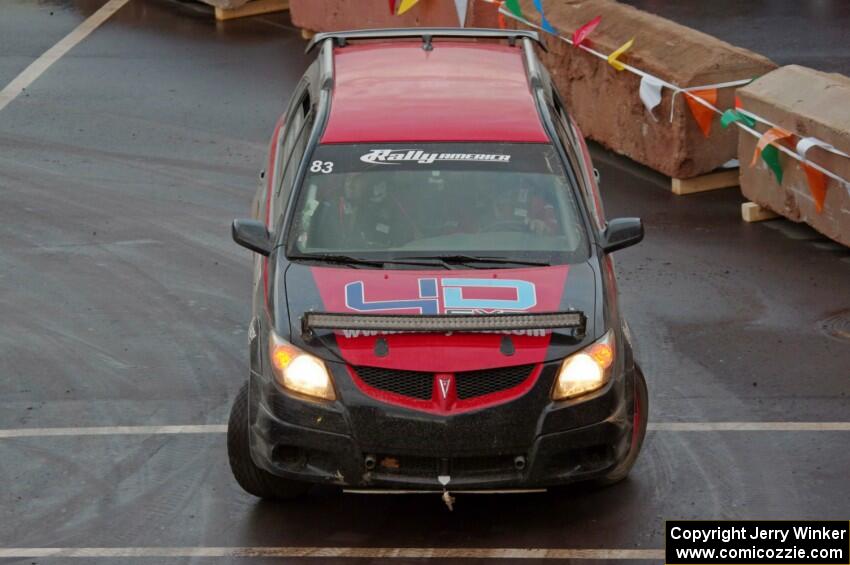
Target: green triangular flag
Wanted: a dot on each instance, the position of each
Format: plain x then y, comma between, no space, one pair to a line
770,155
732,116
513,6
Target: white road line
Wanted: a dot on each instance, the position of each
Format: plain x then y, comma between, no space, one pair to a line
749,426
222,428
37,67
115,430
331,552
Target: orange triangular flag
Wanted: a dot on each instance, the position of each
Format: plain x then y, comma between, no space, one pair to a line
817,185
702,114
502,22
771,135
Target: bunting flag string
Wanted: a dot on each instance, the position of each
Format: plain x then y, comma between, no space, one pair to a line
507,10
581,33
816,176
803,162
702,114
716,86
612,58
392,7
804,144
511,8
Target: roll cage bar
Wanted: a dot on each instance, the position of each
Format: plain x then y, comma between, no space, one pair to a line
341,38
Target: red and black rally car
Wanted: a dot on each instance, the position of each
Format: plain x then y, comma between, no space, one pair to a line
434,302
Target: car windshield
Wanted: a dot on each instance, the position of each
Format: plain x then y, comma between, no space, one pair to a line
402,201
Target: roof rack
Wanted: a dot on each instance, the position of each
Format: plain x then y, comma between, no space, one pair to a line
341,38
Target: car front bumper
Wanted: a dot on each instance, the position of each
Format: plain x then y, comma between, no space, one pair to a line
529,442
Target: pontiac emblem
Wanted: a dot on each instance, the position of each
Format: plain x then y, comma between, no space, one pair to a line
445,383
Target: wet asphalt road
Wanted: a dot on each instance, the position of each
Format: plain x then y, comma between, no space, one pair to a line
124,302
813,33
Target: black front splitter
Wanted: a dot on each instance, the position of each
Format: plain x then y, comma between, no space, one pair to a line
557,458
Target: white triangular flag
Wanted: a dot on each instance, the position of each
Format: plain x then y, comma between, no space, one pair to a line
807,143
650,92
460,6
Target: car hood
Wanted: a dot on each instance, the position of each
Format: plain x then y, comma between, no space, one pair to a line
349,290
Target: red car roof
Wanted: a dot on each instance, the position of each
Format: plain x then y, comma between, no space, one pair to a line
460,91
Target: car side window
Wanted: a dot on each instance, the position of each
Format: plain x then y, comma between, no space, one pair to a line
298,117
299,114
291,167
571,139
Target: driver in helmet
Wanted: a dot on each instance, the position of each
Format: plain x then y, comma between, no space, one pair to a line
528,208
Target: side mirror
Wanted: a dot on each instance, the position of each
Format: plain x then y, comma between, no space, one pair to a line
622,232
253,235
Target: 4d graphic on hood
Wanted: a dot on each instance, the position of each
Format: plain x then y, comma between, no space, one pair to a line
418,292
450,296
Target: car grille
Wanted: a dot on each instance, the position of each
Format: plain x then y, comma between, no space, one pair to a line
468,384
414,384
471,384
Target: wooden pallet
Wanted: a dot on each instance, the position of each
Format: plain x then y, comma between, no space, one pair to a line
254,8
752,212
711,181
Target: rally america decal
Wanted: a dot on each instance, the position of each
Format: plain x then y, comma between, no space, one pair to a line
449,296
396,156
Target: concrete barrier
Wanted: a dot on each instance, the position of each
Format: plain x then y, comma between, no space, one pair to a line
808,103
605,102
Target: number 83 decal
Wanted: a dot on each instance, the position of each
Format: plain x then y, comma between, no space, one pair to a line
322,167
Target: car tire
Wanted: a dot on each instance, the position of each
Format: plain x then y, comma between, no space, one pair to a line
251,478
640,416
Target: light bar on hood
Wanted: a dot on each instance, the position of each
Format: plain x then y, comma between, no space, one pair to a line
476,323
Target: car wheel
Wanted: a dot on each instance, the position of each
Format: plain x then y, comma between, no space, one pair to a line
640,416
251,478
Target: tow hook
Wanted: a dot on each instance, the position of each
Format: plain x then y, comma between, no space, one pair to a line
447,497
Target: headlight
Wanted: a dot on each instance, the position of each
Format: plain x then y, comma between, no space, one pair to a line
587,370
298,371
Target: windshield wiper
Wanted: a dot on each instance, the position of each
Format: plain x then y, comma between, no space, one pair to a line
339,259
349,260
466,259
